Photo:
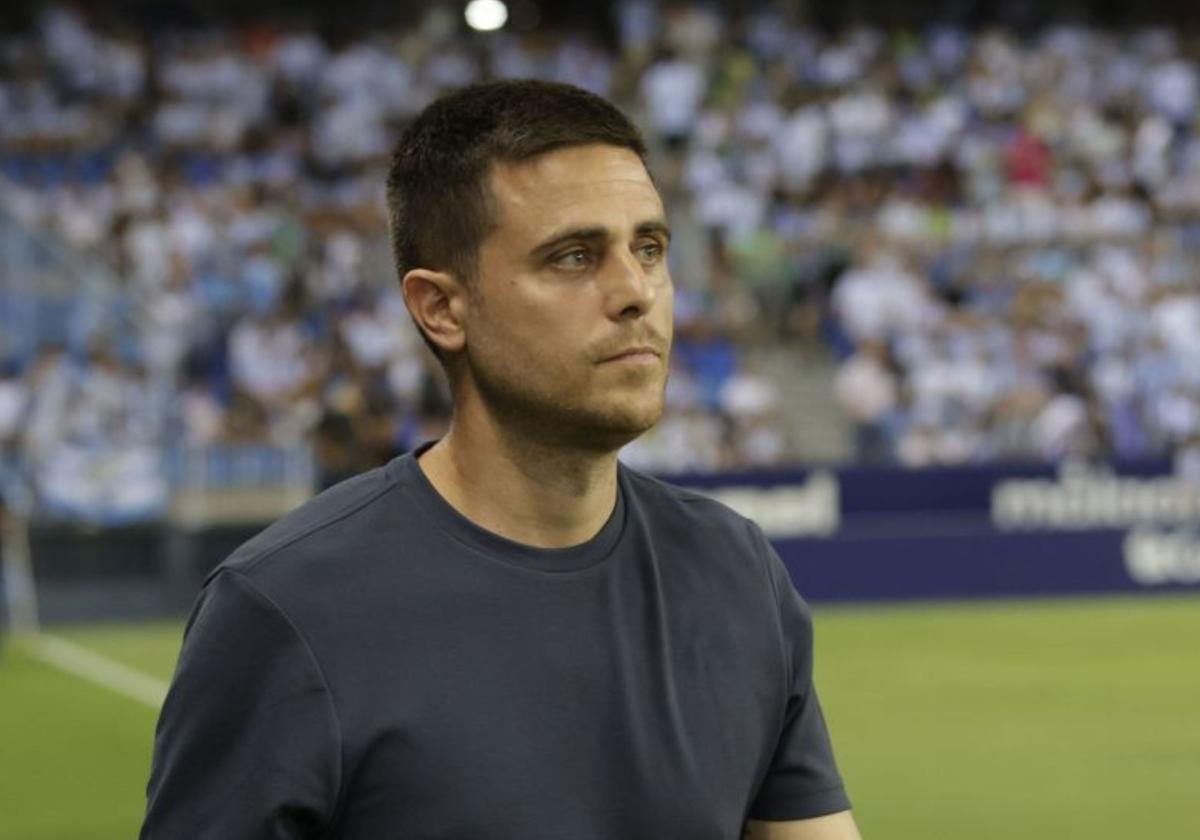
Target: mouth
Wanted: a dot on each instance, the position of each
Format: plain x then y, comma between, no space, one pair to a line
641,355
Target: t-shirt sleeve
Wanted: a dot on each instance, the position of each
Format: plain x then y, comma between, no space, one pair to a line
247,743
802,780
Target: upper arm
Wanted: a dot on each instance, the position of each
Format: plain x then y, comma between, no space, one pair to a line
248,743
839,826
801,779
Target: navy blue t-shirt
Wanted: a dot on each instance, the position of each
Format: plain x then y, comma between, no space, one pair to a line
375,665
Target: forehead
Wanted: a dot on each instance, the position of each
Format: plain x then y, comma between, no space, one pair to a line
594,185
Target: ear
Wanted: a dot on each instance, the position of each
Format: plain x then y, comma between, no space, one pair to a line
437,302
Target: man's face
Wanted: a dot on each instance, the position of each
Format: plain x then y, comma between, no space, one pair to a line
568,327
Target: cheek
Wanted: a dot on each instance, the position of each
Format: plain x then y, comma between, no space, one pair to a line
661,318
531,341
666,308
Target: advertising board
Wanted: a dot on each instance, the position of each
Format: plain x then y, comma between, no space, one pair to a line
895,534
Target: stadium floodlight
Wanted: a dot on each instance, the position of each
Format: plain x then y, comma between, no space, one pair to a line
486,15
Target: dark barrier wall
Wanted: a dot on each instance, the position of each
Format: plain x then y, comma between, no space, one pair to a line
132,572
849,568
845,535
892,534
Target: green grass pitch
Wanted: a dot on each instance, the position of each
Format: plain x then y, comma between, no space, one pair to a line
1048,719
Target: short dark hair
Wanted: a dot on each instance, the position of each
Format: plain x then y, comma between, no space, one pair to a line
439,206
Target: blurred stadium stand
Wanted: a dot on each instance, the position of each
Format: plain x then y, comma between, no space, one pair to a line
924,236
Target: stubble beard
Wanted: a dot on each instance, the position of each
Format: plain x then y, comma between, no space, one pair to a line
530,410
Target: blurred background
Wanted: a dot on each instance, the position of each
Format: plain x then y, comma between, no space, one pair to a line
937,272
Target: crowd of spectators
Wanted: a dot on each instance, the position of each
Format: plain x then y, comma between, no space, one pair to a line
998,237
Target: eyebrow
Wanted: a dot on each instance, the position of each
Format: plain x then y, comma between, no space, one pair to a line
596,234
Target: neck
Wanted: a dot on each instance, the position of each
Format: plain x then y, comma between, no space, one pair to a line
526,490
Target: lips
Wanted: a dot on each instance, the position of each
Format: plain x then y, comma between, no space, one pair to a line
633,353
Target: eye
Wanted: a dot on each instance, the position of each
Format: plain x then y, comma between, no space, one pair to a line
574,259
650,252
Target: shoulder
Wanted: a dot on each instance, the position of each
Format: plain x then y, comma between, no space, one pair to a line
656,491
316,527
700,526
682,509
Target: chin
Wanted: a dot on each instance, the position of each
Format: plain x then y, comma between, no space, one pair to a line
595,419
610,430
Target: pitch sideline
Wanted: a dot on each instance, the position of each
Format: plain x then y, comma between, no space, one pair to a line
97,669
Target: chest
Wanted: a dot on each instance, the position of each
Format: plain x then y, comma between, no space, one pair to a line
620,707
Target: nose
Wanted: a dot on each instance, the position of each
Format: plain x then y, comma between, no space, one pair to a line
632,288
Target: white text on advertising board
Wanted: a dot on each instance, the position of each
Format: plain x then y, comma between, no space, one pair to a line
1085,498
810,509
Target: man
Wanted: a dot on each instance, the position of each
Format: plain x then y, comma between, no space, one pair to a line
507,635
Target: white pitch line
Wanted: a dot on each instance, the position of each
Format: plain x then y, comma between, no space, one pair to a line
100,670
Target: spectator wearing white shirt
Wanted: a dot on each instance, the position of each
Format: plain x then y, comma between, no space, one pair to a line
673,89
867,391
